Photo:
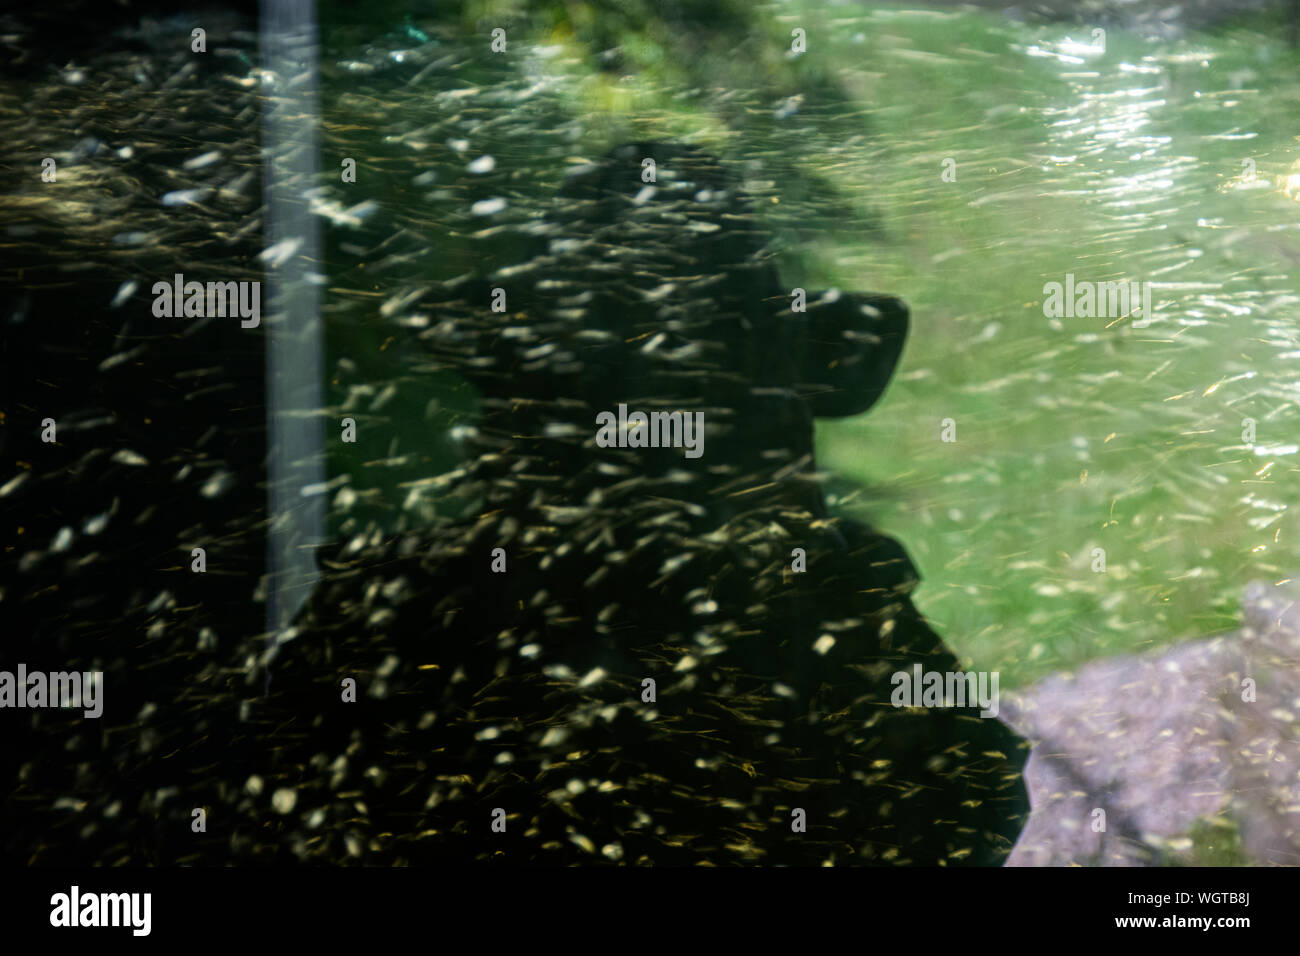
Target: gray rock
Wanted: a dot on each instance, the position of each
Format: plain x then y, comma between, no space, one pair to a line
1167,747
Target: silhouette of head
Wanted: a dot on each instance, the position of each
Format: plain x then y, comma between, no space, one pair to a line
652,287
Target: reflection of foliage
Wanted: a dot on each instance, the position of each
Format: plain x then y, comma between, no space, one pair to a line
720,64
718,74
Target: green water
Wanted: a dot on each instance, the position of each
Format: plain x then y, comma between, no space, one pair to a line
1079,433
1173,162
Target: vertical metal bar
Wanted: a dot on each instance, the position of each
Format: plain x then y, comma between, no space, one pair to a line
295,349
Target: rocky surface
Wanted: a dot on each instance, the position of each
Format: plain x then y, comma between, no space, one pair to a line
1168,746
